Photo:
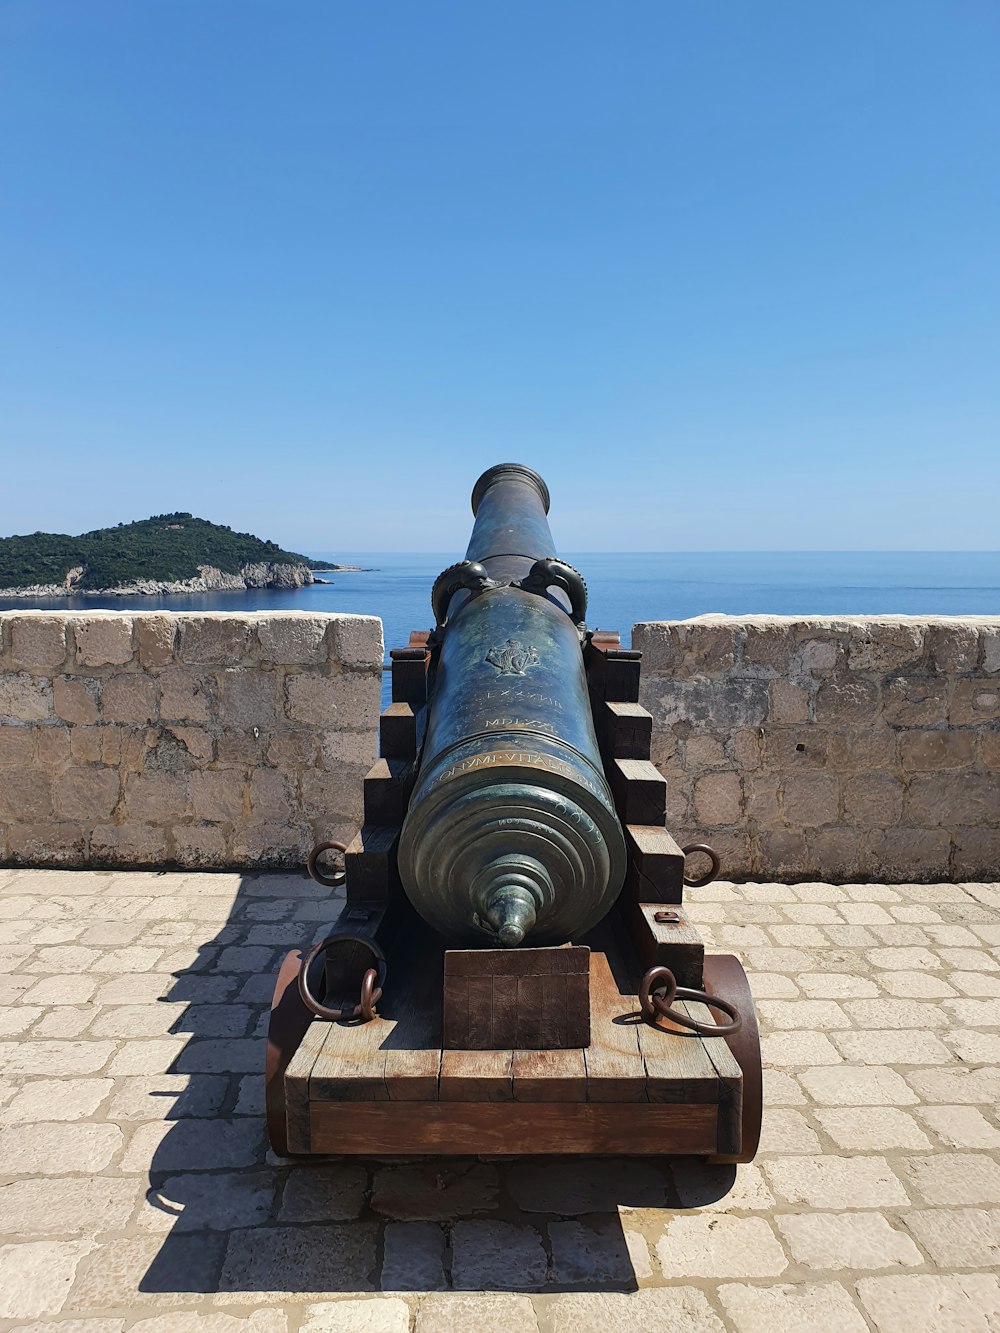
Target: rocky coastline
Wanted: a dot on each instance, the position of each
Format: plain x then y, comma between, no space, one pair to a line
209,579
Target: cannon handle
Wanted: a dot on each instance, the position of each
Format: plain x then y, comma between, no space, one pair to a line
468,574
551,573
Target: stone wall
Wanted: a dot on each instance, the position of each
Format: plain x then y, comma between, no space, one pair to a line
222,740
830,748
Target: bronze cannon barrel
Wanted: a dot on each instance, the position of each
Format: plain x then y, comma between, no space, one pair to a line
511,834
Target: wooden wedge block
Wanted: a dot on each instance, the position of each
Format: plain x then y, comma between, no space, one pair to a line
639,790
655,866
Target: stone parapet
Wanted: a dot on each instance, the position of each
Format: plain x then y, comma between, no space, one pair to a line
217,740
843,748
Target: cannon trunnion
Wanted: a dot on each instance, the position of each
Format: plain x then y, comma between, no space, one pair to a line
513,970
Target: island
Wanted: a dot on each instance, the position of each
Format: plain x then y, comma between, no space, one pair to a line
168,553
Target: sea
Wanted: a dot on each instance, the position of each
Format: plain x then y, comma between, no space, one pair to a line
628,587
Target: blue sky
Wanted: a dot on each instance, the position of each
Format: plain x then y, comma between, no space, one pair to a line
725,273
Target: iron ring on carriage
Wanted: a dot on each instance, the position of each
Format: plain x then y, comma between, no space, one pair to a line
371,984
315,872
714,869
657,992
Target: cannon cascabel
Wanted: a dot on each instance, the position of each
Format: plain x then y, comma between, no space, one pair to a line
511,834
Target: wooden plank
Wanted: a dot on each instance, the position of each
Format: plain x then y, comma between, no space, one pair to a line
535,999
477,1076
730,1079
297,1086
640,791
412,1004
387,789
370,863
401,731
615,1069
676,945
519,1130
550,1076
624,730
409,675
350,1064
655,865
678,1067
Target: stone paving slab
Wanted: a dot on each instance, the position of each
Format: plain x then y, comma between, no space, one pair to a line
137,1192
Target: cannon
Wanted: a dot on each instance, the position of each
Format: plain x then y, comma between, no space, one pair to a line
512,969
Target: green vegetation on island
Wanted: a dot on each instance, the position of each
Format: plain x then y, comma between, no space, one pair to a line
164,548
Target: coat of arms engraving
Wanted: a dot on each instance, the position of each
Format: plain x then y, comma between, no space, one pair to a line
513,658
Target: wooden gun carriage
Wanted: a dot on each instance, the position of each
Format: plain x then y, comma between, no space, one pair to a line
507,1034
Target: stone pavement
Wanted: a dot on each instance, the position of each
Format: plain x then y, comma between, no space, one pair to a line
137,1192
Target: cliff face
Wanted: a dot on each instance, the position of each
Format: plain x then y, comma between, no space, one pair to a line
209,579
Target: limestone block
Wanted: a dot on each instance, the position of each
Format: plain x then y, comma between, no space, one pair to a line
157,798
907,851
196,741
977,852
915,701
816,655
128,844
659,645
51,843
716,706
221,639
954,647
989,748
86,794
249,697
762,799
259,842
326,793
186,695
25,795
936,1304
52,747
974,701
155,636
837,851
884,645
792,749
991,650
218,795
784,852
702,751
873,745
17,746
707,647
76,699
35,1278
297,749
103,640
292,637
358,643
788,702
807,1307
949,799
23,698
38,642
873,800
270,798
921,751
347,700
744,748
235,747
129,698
717,799
846,701
810,799
769,646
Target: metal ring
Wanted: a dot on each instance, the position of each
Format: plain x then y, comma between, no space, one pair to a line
371,992
656,1004
712,855
312,865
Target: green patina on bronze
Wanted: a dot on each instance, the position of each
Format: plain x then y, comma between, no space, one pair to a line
511,834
